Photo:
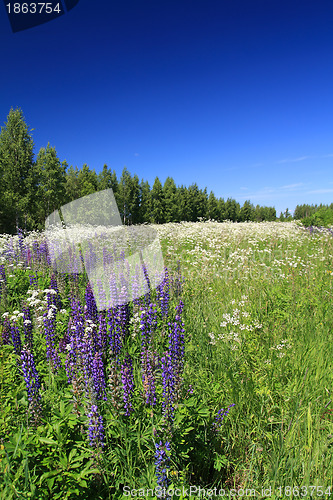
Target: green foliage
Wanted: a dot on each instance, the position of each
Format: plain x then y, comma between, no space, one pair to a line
52,180
322,217
87,181
158,203
17,174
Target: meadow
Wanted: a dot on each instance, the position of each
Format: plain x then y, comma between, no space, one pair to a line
221,378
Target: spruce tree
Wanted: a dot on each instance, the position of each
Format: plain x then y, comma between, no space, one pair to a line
170,200
145,212
158,206
247,212
107,179
72,186
52,183
123,196
182,204
212,207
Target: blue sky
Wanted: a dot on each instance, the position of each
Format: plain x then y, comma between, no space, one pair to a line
233,95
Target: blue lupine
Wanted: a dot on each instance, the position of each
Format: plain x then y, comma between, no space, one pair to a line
148,322
148,378
76,335
33,279
220,416
96,429
52,355
102,340
27,326
101,295
32,383
147,296
115,331
2,279
163,293
168,387
91,308
176,345
98,377
128,384
21,242
162,463
87,353
57,298
3,273
6,331
16,338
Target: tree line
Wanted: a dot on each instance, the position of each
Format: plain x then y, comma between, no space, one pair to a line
32,188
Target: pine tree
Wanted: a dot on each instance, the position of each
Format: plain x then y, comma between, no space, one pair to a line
18,175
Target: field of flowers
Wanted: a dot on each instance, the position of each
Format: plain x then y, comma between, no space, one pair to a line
220,378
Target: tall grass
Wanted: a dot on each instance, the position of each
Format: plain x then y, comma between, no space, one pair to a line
258,333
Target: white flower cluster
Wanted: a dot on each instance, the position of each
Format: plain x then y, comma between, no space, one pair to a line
135,321
15,315
39,303
232,323
280,347
90,326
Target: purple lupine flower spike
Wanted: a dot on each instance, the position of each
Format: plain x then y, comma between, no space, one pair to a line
220,416
102,338
32,382
33,279
162,461
6,331
16,338
115,331
54,286
96,429
27,327
168,387
2,279
98,377
148,324
128,384
49,319
91,309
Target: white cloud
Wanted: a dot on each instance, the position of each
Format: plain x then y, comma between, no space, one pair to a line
292,186
319,191
292,160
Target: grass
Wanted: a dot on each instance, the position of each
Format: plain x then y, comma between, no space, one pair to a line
258,328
